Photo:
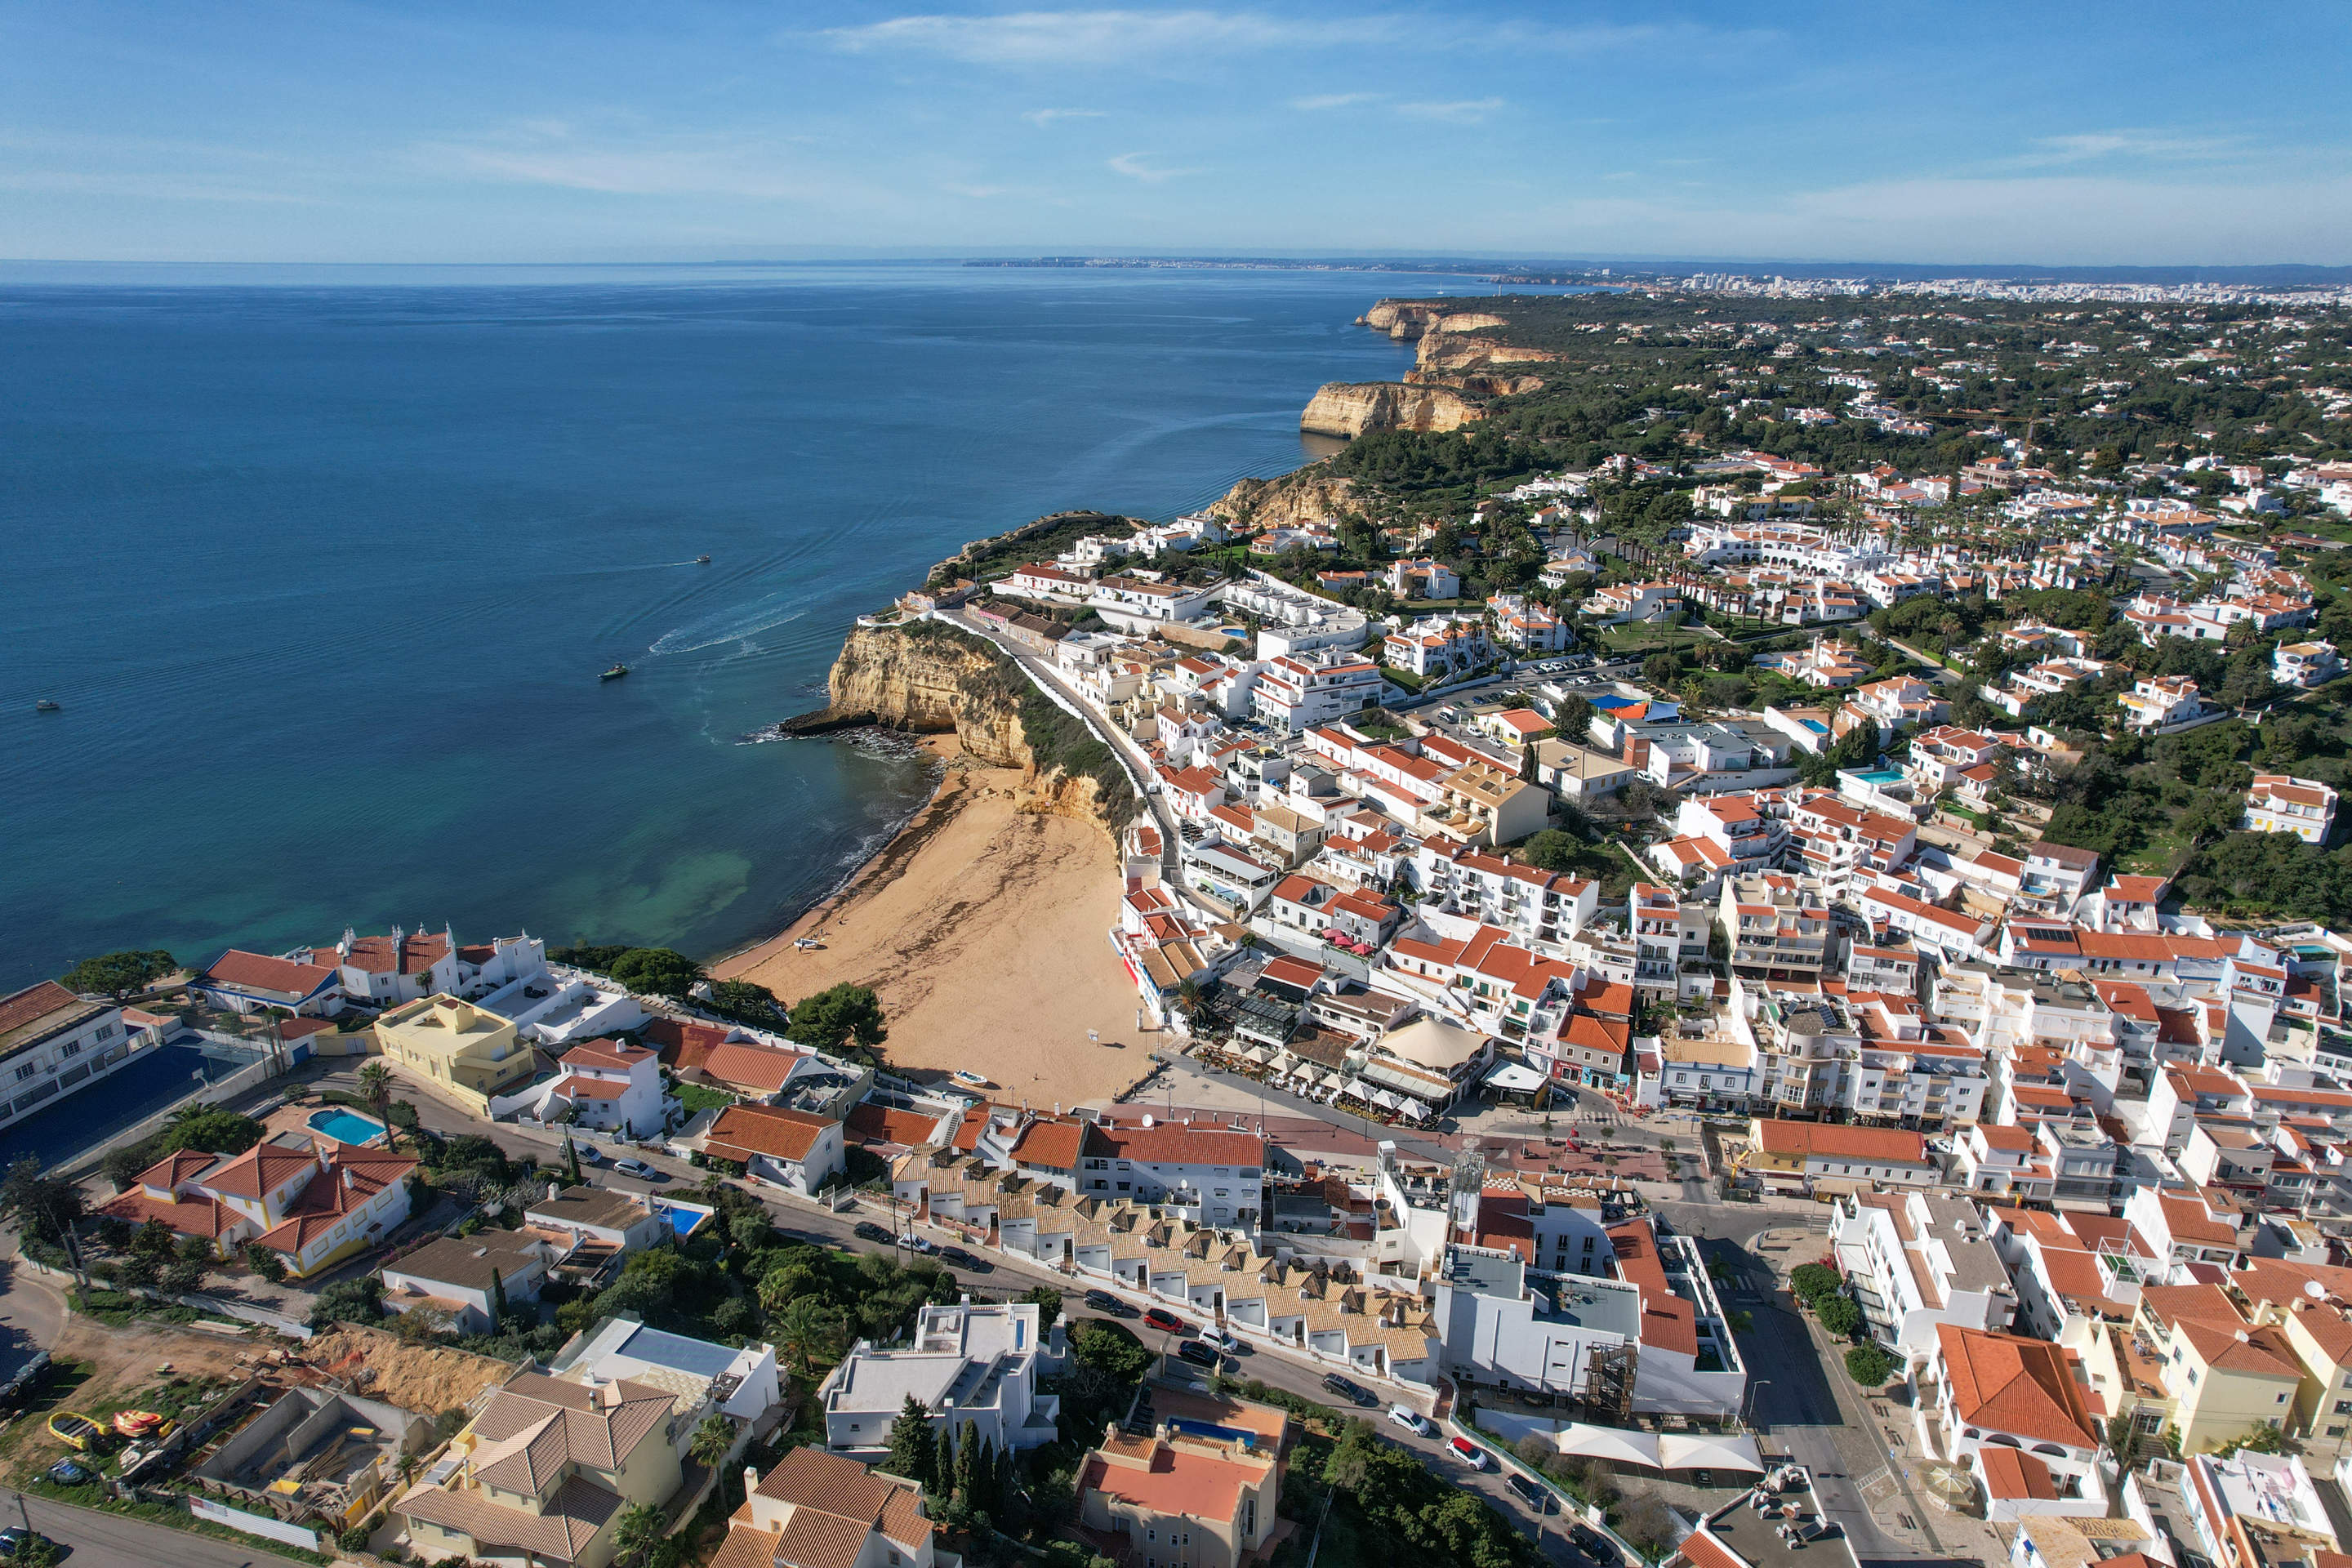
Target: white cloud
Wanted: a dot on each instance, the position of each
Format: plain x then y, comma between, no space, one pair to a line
1138,166
1042,118
1315,103
1090,38
1460,112
2085,146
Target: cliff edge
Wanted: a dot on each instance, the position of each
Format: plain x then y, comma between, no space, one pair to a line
932,679
1353,409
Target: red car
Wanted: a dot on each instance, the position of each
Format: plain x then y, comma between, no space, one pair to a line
1470,1454
1164,1321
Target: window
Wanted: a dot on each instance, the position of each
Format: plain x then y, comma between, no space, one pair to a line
27,1070
70,1048
1587,1244
2281,1399
2344,1407
106,1031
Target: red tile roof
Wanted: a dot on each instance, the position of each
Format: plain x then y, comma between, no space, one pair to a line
2021,1387
34,1002
1176,1144
259,971
742,1131
1821,1139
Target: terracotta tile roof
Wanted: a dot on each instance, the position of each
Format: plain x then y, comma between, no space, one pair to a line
576,1513
887,1124
814,1482
188,1217
32,1004
262,1169
742,1131
259,971
2021,1387
1821,1139
377,955
1175,1481
1176,1144
1052,1145
683,1041
617,1055
744,1066
2012,1473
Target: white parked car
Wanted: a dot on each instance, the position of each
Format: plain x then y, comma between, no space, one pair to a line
1220,1340
1413,1421
918,1244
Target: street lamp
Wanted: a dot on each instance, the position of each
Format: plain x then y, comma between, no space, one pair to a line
1748,1407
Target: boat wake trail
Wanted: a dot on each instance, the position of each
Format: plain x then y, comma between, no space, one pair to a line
724,626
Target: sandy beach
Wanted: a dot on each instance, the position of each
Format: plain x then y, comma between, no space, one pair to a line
982,929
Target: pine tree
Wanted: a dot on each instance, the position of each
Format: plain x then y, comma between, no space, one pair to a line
912,1454
1527,763
943,1460
571,1160
967,1465
498,1300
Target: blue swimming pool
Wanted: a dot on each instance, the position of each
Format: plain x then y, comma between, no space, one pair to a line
346,1126
1880,776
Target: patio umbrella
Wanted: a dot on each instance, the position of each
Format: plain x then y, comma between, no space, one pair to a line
1415,1108
1384,1099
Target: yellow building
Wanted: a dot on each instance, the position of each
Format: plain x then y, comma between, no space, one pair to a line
2228,1378
2312,1306
545,1471
456,1048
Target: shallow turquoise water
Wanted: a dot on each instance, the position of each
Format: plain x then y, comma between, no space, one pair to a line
322,564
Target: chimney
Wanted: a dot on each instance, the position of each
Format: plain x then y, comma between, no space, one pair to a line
750,1479
553,1191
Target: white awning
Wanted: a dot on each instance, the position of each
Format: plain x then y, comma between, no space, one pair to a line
1415,1109
1708,1451
1513,1078
1614,1444
1384,1099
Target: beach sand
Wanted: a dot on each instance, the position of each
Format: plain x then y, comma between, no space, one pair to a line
983,928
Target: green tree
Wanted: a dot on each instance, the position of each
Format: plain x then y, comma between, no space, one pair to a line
116,975
713,1440
740,999
1869,1365
657,971
1839,1315
263,1262
913,1454
498,1300
210,1130
1551,850
375,1085
1813,1279
570,1160
40,1205
943,1460
967,1465
835,1016
638,1532
359,1301
810,1327
1048,1303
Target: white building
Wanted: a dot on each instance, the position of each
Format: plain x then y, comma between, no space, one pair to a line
52,1041
1301,690
964,1363
2281,803
465,1278
2156,701
608,1085
2305,664
1915,1262
742,1381
1210,1175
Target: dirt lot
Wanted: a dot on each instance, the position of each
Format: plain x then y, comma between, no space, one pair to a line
113,1365
421,1378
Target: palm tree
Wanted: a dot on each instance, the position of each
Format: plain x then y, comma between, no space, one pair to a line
375,1088
713,1439
640,1530
810,1327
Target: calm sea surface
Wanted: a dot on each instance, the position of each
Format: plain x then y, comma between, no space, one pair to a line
322,566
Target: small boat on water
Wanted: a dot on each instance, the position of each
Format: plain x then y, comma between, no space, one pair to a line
702,561
45,706
614,673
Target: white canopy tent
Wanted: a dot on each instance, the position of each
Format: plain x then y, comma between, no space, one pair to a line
1611,1442
1708,1451
1513,1078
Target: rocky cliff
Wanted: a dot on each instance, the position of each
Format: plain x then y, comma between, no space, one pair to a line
1352,408
924,678
932,679
1475,384
1405,320
1448,351
1291,500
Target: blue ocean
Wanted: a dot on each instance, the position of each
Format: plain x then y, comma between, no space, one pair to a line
321,565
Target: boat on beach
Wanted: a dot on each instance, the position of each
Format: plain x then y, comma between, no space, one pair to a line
614,673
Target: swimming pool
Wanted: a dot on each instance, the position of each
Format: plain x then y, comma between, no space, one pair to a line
1880,776
346,1126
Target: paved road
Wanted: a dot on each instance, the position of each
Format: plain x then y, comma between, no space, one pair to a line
32,1310
110,1541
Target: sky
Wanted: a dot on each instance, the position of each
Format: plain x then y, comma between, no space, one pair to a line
2081,134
